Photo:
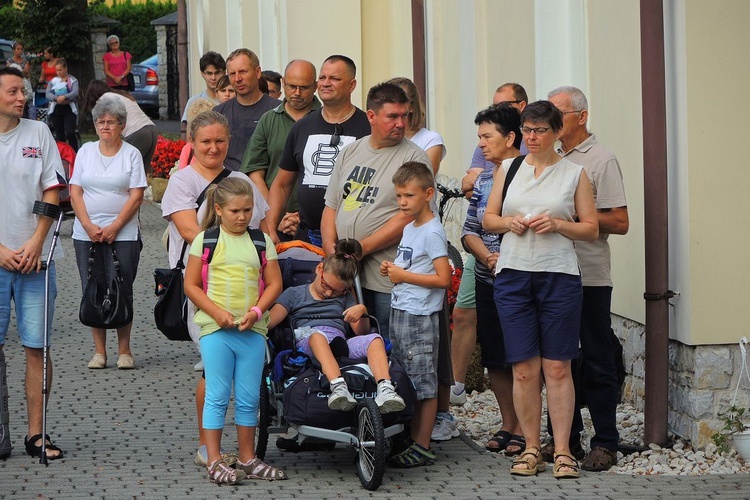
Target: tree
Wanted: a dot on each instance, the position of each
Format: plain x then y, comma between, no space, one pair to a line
63,24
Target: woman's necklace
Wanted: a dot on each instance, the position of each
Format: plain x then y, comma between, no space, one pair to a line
106,165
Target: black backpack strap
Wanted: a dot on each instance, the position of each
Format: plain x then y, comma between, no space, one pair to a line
511,173
211,237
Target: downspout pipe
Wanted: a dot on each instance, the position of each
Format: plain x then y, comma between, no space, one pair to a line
419,59
182,57
653,85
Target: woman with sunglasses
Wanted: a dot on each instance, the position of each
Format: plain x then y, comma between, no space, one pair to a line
549,204
328,295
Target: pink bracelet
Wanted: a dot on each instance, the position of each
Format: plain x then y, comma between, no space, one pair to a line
257,311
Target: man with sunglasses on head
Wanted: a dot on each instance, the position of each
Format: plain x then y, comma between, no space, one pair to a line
312,147
261,159
212,68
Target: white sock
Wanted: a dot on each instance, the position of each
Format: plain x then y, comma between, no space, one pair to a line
338,380
458,388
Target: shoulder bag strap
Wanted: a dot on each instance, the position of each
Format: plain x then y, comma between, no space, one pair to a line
511,173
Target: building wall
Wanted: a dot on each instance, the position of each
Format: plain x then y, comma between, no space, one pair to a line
717,74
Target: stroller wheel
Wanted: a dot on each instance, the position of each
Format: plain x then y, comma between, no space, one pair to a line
372,445
264,418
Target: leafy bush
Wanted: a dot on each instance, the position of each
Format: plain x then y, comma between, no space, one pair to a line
10,22
63,25
136,33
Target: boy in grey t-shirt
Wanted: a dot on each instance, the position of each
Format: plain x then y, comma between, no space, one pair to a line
420,274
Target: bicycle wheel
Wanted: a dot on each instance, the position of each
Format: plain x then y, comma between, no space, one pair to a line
454,258
372,446
264,417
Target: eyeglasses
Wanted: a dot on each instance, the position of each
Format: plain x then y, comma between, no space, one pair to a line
536,130
212,74
571,112
294,88
106,124
328,288
336,137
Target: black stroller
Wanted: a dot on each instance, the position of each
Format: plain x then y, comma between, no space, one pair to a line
294,393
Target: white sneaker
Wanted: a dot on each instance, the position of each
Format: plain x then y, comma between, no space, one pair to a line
458,399
198,366
387,399
340,398
445,427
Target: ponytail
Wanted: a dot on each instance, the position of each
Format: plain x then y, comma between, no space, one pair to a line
344,263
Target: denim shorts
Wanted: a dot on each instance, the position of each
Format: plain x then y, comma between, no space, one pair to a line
27,293
415,343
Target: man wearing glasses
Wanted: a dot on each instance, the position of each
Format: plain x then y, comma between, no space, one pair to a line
361,203
263,153
599,345
313,145
212,67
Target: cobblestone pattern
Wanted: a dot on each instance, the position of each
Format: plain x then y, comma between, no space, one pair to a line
131,434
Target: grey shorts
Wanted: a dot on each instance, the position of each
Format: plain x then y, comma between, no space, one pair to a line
415,343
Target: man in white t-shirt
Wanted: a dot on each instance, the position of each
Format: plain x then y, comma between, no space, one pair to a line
31,171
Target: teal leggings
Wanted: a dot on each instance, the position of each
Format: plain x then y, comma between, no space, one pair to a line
231,355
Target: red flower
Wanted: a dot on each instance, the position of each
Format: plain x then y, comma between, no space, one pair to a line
165,156
453,291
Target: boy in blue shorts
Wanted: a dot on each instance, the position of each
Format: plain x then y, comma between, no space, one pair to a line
420,275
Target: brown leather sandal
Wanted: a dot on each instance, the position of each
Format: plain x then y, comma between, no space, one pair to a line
566,466
531,458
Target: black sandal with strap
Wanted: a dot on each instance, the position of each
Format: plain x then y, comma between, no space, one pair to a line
36,451
501,438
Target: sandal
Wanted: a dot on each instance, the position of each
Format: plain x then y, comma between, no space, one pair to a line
256,469
518,441
413,456
531,458
501,438
599,459
36,451
566,466
576,449
220,473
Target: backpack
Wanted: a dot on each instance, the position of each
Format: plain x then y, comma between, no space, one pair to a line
211,238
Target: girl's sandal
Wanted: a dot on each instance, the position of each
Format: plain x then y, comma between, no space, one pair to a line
220,473
566,466
257,469
531,459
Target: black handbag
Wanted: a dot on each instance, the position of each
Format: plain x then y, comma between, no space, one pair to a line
170,311
104,305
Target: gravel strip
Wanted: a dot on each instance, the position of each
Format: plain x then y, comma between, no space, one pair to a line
480,417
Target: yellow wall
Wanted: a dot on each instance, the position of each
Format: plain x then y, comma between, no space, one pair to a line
717,77
614,95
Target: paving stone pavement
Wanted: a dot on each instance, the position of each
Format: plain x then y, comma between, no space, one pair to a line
131,434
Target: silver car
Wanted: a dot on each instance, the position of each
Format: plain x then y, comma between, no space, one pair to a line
146,91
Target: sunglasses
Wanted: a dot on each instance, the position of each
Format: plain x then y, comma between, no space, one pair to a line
329,288
336,137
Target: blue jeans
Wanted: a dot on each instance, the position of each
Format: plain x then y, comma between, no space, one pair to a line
379,305
27,293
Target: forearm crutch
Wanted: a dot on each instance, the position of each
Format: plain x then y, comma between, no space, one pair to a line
52,211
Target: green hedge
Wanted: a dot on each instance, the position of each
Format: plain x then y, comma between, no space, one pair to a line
10,22
136,33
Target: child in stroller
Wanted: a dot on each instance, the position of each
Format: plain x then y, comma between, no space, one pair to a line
329,295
